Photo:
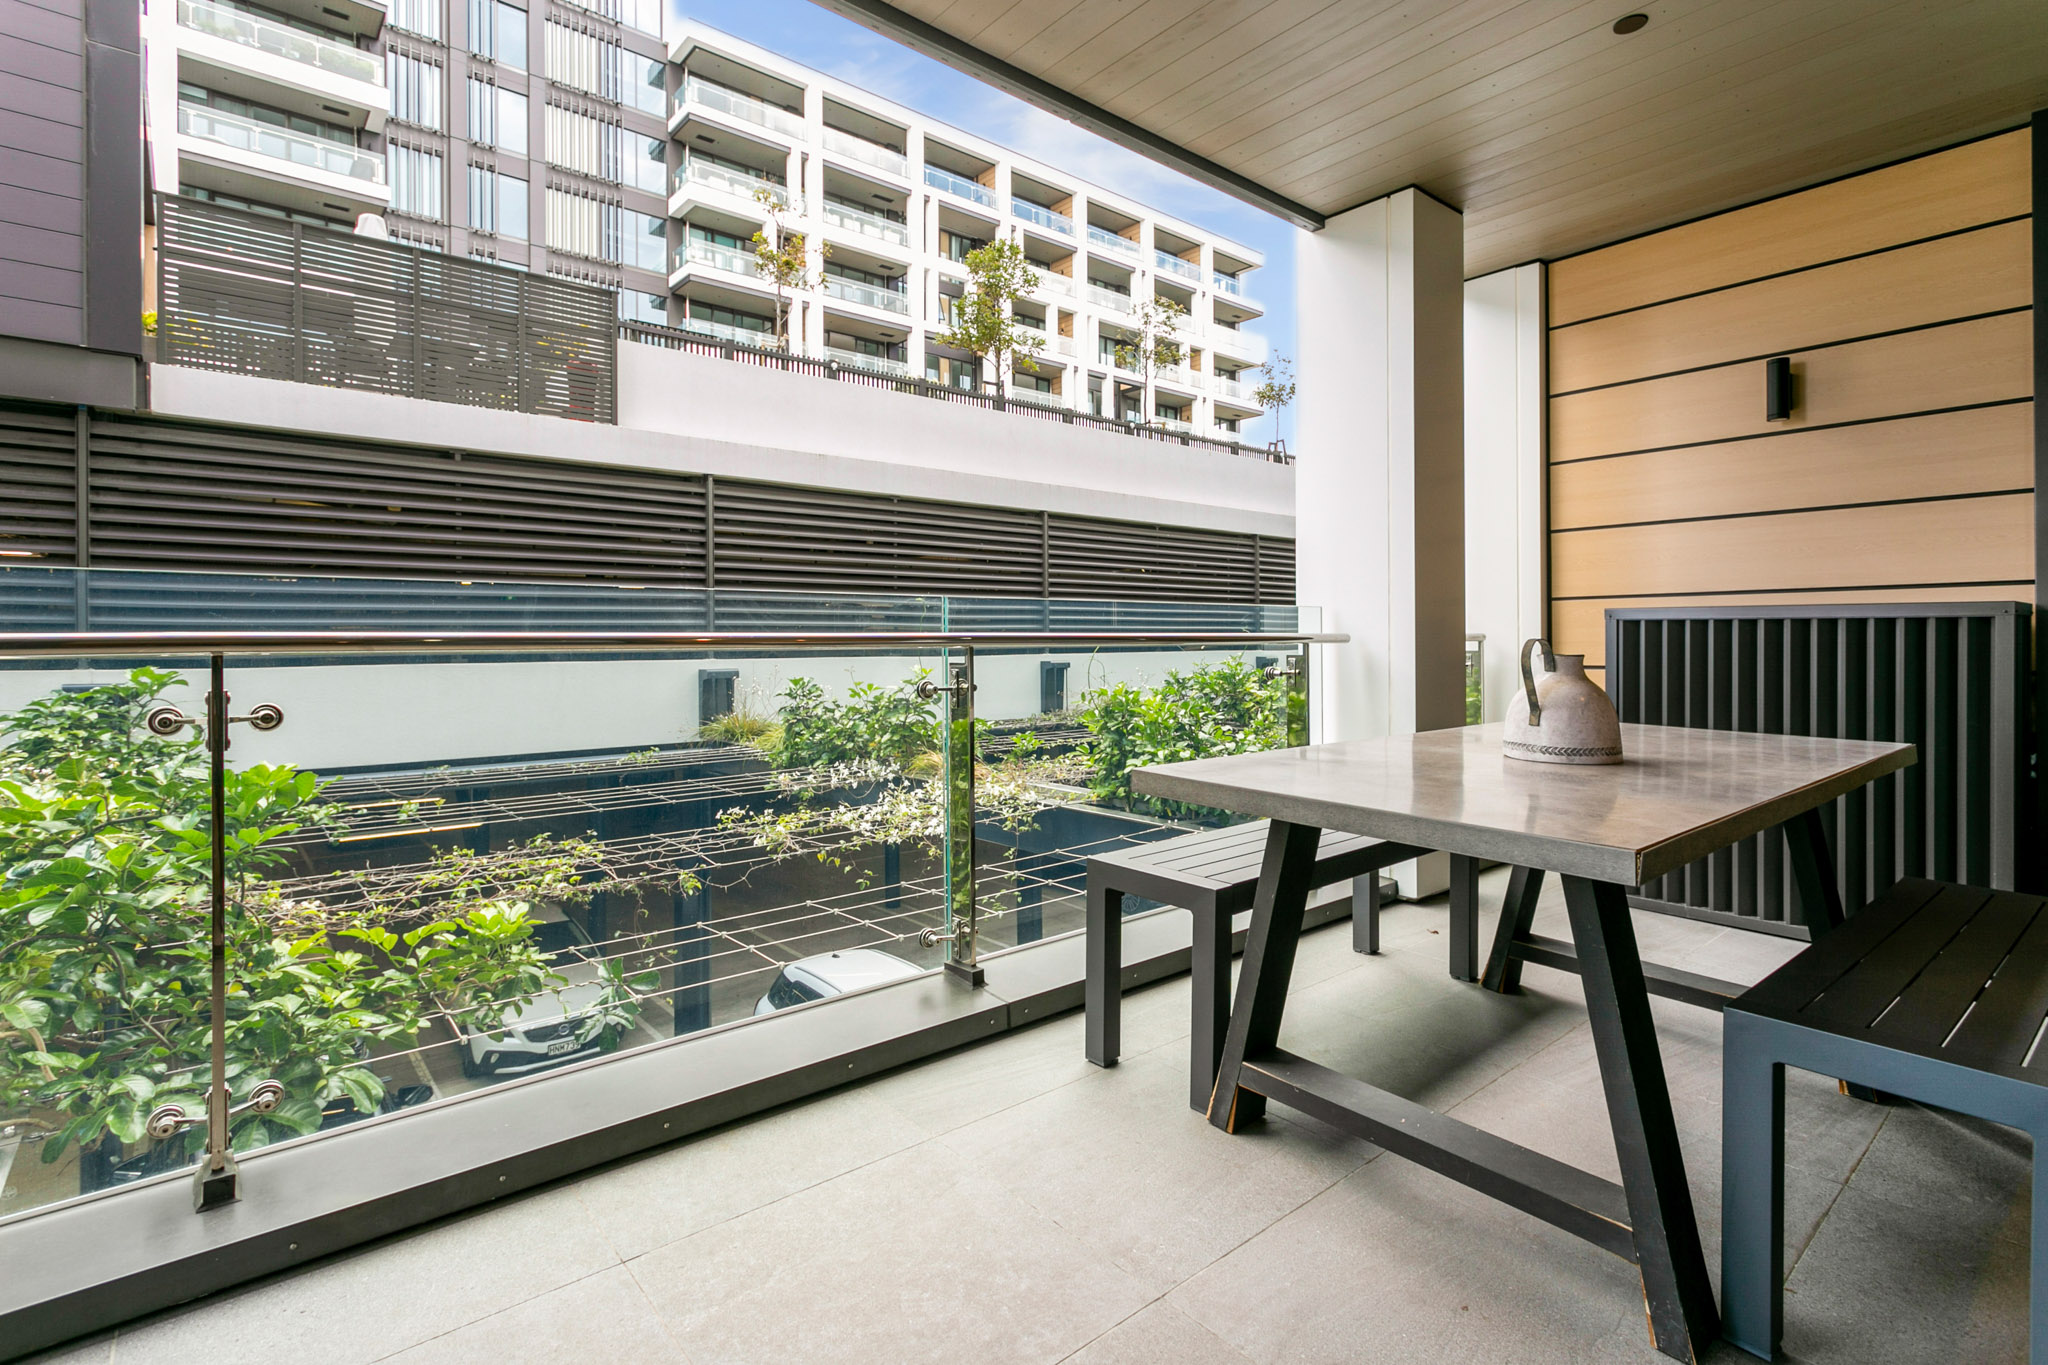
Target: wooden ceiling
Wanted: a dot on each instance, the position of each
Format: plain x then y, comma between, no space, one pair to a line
1552,132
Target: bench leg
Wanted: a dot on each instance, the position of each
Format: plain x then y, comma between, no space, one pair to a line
1209,1018
1753,1191
1365,913
1464,918
1103,990
1517,914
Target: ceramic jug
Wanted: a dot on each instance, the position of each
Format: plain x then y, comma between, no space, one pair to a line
1562,717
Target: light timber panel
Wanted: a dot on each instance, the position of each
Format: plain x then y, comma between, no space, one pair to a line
1905,473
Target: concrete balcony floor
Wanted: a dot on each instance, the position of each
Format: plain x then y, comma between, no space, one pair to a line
1011,1203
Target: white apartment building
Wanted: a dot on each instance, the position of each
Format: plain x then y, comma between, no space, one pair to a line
890,203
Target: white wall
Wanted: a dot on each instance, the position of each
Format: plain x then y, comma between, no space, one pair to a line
1504,483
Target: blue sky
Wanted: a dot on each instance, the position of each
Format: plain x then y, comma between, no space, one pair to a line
803,32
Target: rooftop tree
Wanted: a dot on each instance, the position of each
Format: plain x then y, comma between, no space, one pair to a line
782,257
1275,391
998,275
1157,345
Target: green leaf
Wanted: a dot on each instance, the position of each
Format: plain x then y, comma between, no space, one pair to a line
26,1014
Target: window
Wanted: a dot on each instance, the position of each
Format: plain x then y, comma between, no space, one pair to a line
498,31
644,15
718,238
726,317
954,374
497,116
647,242
234,201
575,224
596,67
649,170
894,283
415,181
1037,383
571,139
415,89
1226,424
650,92
635,306
1111,285
417,16
497,203
954,246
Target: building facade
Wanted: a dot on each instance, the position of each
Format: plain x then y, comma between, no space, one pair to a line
568,139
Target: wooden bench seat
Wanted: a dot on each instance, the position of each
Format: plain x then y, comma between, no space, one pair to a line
1213,874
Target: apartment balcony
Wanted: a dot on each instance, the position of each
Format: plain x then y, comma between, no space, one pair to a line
698,259
735,107
1040,216
1104,240
711,185
864,361
867,295
1064,346
866,153
1248,346
860,222
726,332
1237,391
960,187
1108,299
261,161
1059,286
321,77
1174,265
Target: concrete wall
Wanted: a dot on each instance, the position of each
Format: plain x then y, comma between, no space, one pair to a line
1504,590
698,414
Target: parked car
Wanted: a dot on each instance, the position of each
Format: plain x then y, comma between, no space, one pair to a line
554,1028
814,978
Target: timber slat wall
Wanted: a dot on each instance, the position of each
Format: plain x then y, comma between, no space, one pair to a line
202,499
1905,473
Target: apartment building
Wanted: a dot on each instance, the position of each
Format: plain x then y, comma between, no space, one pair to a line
890,203
523,133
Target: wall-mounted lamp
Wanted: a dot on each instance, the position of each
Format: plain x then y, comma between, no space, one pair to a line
1780,389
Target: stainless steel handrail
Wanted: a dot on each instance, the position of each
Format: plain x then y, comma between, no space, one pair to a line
57,644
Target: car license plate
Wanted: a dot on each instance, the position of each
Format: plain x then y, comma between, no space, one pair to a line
565,1046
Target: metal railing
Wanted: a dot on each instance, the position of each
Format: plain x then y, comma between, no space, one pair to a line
265,139
860,149
1041,215
697,251
265,35
868,295
1110,241
1175,265
741,183
739,348
866,223
738,105
1109,298
959,186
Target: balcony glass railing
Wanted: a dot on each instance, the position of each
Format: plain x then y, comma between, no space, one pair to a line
1025,393
747,108
1174,265
1062,346
308,153
718,256
863,360
1227,284
1110,242
741,183
872,296
1237,390
1109,298
866,152
1243,345
1044,217
265,35
725,331
748,832
959,186
867,224
1049,283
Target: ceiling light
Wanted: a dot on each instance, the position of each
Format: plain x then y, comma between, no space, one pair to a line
1630,23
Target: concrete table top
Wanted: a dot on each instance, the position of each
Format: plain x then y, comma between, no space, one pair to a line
1679,795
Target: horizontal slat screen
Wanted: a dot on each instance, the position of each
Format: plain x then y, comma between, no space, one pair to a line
1905,472
185,498
1950,680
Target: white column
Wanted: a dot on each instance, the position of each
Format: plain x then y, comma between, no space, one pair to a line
1380,483
1504,589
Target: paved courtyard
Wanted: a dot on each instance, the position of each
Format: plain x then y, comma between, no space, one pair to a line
1011,1203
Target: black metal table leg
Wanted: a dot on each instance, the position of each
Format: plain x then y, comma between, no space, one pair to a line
1210,969
1813,872
1464,918
1676,1291
1267,968
1517,915
1102,975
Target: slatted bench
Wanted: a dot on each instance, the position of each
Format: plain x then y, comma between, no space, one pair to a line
1935,992
1213,874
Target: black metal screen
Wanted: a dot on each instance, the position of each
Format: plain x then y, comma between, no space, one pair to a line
253,295
1947,677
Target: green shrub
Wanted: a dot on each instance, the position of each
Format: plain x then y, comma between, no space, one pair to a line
1227,708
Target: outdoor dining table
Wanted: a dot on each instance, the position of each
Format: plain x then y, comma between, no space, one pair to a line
1679,795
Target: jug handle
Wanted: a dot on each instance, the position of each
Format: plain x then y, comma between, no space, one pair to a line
1529,677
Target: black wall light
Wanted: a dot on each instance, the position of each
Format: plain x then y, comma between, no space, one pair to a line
1780,389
